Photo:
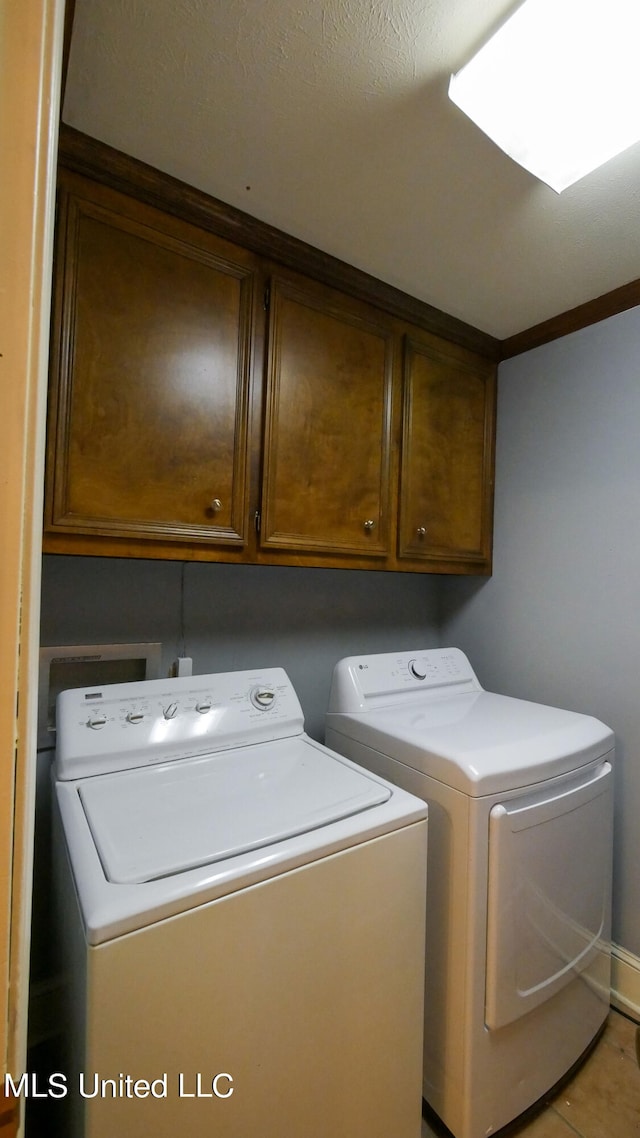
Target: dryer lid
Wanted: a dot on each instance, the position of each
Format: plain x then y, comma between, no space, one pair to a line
162,820
480,743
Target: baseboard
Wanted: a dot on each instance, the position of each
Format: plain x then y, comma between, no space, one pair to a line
625,981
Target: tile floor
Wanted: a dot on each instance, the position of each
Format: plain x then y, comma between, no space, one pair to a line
602,1100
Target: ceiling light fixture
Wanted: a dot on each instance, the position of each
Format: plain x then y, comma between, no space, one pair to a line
557,87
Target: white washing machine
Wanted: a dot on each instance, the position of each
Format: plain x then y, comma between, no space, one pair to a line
519,870
233,900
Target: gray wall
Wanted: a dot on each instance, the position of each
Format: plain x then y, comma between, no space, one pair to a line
240,616
559,621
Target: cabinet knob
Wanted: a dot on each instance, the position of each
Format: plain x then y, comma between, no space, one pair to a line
369,525
421,531
215,505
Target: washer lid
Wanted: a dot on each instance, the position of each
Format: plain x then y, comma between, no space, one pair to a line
154,822
480,743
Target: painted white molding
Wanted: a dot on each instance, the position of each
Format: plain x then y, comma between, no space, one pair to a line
625,981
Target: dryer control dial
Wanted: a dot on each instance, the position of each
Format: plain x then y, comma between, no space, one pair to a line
418,668
262,697
96,720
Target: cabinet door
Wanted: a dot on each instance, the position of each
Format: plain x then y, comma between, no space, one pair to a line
447,455
327,442
151,374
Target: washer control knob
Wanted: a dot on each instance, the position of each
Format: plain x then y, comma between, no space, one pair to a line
418,668
262,697
96,720
203,706
171,710
135,716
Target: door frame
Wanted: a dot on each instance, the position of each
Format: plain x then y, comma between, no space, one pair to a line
31,41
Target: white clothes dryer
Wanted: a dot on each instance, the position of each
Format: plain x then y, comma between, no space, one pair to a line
233,899
519,870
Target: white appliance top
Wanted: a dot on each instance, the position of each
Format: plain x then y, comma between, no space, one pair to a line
150,823
178,792
426,709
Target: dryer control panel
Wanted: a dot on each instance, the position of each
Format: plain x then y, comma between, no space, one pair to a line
363,682
118,726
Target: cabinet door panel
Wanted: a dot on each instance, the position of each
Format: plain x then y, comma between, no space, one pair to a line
446,474
327,446
153,386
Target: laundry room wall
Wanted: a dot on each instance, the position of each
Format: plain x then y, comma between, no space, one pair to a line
559,621
229,617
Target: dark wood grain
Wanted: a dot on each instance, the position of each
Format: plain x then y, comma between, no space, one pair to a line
185,404
328,426
447,457
151,374
87,156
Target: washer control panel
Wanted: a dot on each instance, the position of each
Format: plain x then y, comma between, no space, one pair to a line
360,682
118,726
435,668
263,697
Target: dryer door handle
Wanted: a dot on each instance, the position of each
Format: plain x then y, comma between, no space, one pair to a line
548,895
532,812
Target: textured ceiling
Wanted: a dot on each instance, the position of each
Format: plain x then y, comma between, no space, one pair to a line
331,121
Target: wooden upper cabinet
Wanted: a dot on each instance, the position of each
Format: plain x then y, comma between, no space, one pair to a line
151,377
194,414
326,477
446,486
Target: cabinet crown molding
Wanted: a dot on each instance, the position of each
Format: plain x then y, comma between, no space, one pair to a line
85,155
